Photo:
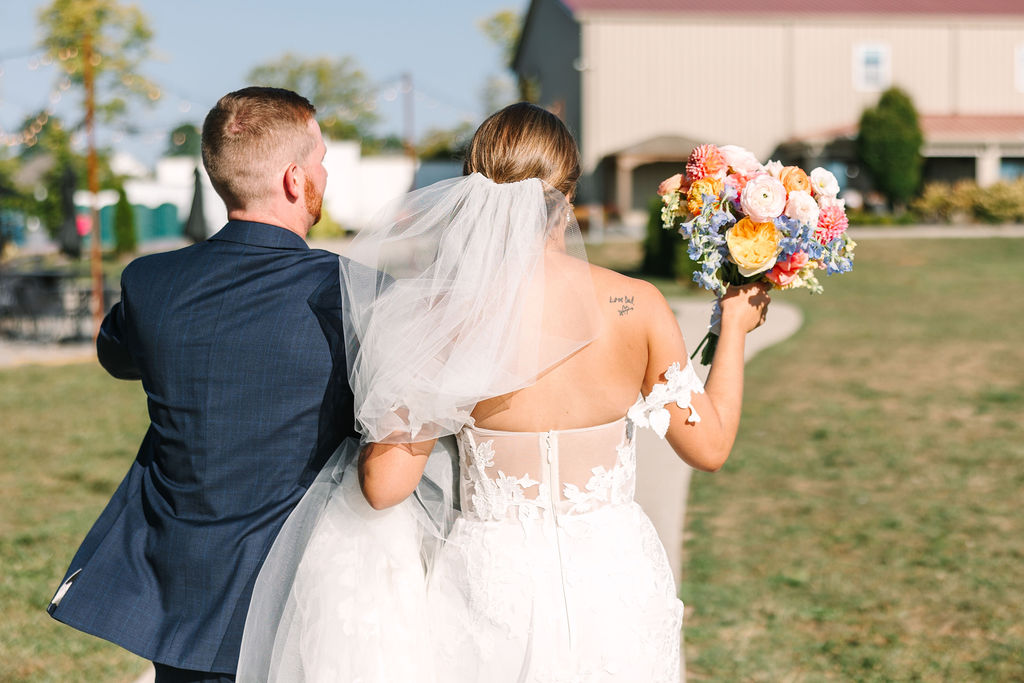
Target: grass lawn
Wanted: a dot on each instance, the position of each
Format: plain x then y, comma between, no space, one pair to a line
69,435
866,528
868,524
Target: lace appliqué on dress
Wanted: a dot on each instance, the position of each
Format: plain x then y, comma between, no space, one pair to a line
493,499
615,486
679,386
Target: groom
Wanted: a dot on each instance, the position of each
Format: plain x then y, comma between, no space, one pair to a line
236,342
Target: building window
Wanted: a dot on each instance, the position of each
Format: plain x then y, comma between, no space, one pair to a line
871,67
1011,168
1018,67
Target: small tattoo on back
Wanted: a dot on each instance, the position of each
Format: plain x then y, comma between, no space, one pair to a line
625,304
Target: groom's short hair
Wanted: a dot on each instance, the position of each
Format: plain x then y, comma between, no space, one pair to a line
249,135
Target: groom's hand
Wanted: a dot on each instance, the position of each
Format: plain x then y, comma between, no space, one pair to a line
111,348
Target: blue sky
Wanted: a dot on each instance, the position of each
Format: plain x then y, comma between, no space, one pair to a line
206,47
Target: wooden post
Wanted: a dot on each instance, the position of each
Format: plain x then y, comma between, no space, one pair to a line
96,247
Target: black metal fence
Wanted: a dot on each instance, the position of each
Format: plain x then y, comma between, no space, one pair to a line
46,304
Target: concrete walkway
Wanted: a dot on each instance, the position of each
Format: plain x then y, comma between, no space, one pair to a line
15,353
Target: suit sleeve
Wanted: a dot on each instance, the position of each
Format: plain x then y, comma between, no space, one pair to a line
111,347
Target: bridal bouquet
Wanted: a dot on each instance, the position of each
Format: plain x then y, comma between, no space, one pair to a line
746,222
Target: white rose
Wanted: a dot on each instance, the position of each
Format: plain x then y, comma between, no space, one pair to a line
774,169
763,198
802,208
825,202
740,160
824,183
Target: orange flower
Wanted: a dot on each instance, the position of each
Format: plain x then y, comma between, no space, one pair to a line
670,185
695,195
795,180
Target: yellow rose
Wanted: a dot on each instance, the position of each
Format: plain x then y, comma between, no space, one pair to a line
753,246
695,195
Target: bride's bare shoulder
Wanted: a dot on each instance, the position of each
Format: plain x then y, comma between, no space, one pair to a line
627,297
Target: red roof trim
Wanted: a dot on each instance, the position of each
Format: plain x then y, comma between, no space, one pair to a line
942,127
887,7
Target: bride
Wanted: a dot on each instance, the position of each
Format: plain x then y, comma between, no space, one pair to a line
484,528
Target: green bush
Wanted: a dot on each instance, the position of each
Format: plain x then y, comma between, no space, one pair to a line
326,228
124,224
935,203
1001,203
889,141
659,244
664,250
964,201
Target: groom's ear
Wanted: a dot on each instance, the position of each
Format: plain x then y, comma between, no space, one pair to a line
293,181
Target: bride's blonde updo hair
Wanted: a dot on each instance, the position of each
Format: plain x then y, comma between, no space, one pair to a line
525,141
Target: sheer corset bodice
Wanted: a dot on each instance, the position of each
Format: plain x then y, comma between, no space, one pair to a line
530,475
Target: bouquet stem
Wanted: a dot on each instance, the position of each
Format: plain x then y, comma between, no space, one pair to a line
708,345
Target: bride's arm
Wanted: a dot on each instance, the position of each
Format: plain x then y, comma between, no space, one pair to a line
390,472
705,445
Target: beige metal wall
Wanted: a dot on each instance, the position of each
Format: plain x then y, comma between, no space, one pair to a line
985,68
762,80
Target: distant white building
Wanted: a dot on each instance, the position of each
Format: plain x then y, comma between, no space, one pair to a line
641,82
357,186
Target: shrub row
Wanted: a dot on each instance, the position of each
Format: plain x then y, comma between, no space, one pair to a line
964,201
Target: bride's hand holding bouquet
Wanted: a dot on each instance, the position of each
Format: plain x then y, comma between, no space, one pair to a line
750,222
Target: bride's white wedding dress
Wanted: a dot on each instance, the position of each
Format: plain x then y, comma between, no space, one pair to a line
553,572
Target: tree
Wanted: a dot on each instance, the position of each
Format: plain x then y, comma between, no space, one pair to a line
889,146
184,141
118,37
445,143
99,44
124,224
43,162
504,29
338,88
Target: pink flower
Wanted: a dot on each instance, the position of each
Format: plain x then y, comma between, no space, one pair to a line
740,160
670,185
787,270
763,198
737,181
832,223
705,160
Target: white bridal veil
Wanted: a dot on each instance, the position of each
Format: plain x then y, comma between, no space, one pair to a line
459,292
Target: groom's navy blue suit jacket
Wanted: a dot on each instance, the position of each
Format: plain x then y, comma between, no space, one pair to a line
236,341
